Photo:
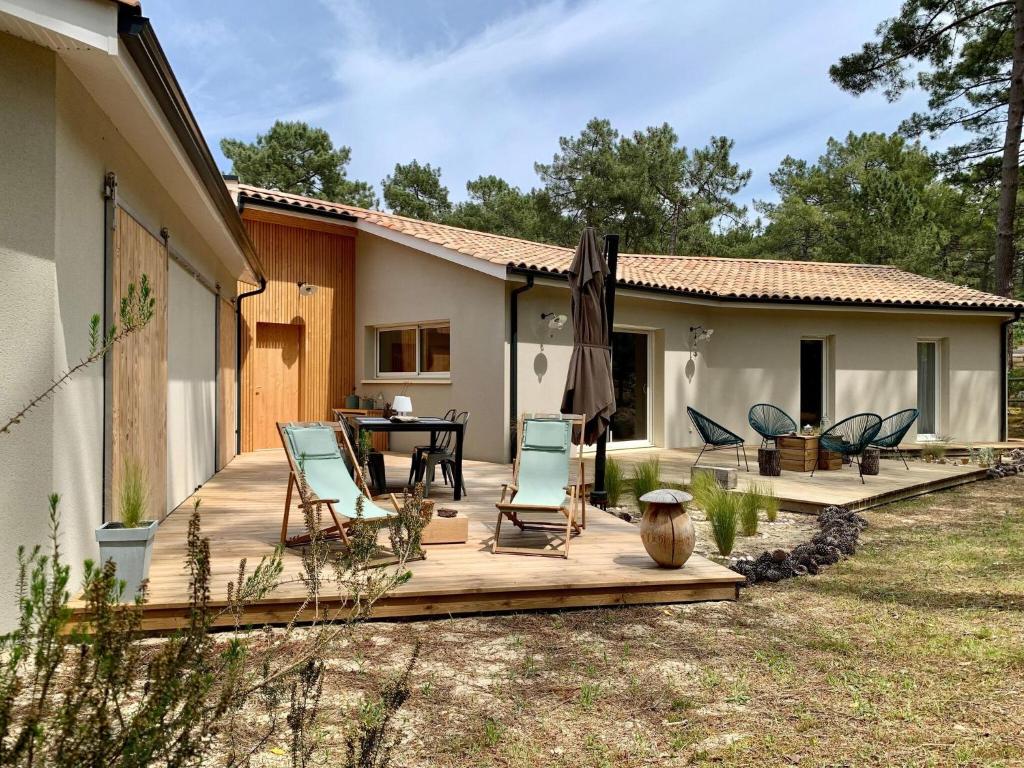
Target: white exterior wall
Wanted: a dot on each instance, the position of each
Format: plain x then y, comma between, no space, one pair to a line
57,147
191,385
754,356
396,284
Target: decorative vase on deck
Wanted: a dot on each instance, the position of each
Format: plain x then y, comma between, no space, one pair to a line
666,529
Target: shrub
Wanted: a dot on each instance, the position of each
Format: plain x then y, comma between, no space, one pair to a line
702,486
134,495
722,510
646,478
770,502
613,482
750,505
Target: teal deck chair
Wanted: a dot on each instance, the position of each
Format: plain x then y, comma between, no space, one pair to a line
543,484
313,450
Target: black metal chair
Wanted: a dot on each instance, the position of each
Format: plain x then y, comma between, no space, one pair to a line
894,429
850,437
444,455
770,422
419,450
715,436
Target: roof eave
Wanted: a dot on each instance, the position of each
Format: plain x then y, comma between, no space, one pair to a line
139,39
785,301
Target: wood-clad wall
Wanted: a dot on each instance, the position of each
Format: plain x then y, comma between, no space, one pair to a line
226,390
139,367
320,254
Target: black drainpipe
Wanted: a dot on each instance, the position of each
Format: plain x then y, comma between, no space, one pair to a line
238,360
1004,372
513,368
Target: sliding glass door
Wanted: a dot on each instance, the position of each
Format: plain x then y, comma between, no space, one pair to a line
812,381
630,372
927,389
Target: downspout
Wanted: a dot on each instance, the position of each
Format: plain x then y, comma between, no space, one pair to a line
513,367
238,359
1004,372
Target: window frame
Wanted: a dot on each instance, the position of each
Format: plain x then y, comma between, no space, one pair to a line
418,328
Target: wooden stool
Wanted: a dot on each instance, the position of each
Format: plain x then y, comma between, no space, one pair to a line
869,462
769,462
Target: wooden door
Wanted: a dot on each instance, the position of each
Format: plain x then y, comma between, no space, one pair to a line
276,374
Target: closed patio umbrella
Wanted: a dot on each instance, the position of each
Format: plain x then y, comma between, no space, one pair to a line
589,389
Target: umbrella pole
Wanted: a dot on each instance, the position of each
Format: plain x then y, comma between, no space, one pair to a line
598,494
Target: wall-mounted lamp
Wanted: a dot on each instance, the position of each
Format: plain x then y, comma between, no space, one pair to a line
699,334
306,289
555,322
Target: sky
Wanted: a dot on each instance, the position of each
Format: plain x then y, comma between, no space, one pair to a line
488,86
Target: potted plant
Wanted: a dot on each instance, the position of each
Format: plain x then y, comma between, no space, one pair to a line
352,400
129,541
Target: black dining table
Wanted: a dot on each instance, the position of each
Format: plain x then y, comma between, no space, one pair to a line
431,424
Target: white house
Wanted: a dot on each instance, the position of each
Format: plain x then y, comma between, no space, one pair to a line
820,340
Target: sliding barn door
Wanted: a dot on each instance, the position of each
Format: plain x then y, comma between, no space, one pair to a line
138,408
191,384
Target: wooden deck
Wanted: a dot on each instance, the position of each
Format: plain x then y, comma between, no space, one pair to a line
607,565
799,492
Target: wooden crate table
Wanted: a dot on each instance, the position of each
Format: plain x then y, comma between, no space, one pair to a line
799,453
829,460
444,530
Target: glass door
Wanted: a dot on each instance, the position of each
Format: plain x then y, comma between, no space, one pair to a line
630,372
927,389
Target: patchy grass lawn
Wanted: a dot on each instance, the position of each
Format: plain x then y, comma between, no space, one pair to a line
911,653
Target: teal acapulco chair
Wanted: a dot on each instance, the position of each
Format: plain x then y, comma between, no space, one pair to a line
850,437
894,429
715,436
543,484
770,422
314,452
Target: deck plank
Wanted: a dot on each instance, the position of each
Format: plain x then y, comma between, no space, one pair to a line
607,565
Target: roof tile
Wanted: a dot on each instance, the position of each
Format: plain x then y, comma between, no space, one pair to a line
703,276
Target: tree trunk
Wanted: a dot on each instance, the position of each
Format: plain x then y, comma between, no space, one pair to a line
1010,180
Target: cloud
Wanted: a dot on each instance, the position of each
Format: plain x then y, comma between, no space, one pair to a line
489,88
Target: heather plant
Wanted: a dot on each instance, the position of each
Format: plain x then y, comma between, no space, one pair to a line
646,478
614,482
137,307
85,687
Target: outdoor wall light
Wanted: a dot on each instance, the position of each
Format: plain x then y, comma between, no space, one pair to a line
306,289
555,322
699,334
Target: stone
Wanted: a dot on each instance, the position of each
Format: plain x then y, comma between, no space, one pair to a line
726,476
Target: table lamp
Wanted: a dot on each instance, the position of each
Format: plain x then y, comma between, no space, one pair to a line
402,405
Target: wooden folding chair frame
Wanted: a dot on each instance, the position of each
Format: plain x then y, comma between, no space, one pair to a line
338,529
574,491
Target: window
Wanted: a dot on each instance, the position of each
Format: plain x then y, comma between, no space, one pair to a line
415,350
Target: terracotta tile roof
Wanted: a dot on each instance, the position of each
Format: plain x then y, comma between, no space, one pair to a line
702,276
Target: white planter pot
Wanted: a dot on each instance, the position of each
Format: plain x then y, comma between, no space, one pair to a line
130,549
